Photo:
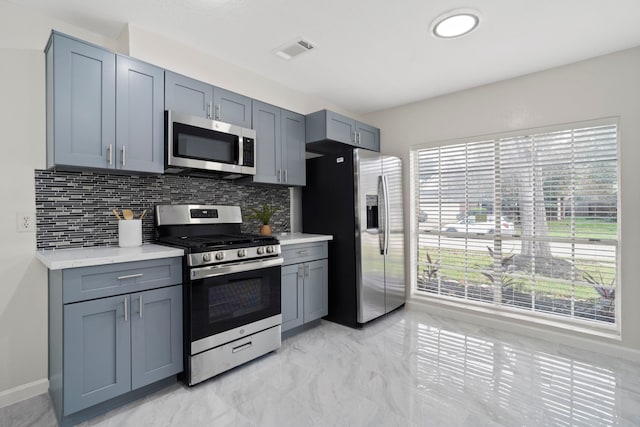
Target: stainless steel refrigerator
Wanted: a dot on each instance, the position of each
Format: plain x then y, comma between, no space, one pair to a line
356,196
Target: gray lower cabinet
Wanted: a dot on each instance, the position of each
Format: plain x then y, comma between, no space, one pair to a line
103,110
103,348
280,148
330,132
190,96
304,284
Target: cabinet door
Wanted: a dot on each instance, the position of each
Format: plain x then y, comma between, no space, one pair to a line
97,351
293,148
368,137
231,107
316,290
139,116
187,96
292,299
266,123
340,128
83,79
156,335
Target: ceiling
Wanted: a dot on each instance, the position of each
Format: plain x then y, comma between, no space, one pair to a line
372,54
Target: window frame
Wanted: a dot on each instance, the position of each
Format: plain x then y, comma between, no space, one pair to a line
501,311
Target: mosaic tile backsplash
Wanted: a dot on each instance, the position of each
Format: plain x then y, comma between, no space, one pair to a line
73,209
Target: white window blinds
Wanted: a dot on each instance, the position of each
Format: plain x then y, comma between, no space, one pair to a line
527,223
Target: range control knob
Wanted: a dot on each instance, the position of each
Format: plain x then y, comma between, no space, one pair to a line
220,256
269,249
260,250
242,253
206,257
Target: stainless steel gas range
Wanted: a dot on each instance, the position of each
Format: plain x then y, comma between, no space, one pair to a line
231,297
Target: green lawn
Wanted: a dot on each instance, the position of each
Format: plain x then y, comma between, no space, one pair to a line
453,263
585,228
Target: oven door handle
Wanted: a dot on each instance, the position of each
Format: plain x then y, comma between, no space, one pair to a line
238,267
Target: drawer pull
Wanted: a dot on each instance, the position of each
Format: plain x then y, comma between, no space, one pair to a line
241,347
303,253
130,276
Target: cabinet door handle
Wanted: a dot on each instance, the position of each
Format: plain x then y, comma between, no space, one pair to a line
278,174
300,271
130,276
307,270
218,111
126,309
124,155
285,176
209,110
140,307
359,138
110,150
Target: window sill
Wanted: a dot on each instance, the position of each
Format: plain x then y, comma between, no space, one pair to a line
529,320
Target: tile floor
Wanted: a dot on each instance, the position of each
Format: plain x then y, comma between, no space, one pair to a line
408,369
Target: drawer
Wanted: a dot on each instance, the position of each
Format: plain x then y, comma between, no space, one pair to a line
303,252
84,283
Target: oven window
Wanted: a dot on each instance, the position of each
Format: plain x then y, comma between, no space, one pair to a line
237,299
204,144
221,303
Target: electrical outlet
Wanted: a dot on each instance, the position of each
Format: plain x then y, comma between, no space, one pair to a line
25,222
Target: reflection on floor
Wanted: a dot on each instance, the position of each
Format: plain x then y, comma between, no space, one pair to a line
408,369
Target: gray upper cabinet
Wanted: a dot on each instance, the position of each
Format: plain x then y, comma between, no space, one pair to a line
231,107
186,95
368,137
293,148
266,123
102,112
139,116
81,100
280,147
196,98
328,132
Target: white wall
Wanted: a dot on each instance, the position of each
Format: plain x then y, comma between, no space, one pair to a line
608,86
23,280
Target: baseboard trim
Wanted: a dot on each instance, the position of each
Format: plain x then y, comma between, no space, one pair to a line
23,392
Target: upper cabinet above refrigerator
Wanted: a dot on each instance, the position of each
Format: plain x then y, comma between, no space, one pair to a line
330,133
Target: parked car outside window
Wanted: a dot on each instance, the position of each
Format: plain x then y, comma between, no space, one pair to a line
470,225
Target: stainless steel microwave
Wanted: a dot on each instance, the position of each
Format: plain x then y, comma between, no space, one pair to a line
199,144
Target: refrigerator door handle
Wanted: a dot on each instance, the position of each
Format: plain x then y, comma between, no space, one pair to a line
382,234
385,191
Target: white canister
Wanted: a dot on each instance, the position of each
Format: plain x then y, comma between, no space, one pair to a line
129,233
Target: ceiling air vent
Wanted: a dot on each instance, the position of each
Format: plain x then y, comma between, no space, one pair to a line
295,48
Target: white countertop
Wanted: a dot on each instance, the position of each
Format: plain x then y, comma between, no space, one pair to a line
295,238
85,257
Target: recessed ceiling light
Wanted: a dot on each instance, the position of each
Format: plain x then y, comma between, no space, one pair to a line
456,23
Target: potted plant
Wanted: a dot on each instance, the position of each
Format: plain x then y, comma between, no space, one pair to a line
264,214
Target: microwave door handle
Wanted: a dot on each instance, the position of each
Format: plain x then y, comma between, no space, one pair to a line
237,158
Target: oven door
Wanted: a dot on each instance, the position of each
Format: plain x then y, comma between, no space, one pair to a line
230,301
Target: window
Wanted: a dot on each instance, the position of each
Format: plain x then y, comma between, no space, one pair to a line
526,223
